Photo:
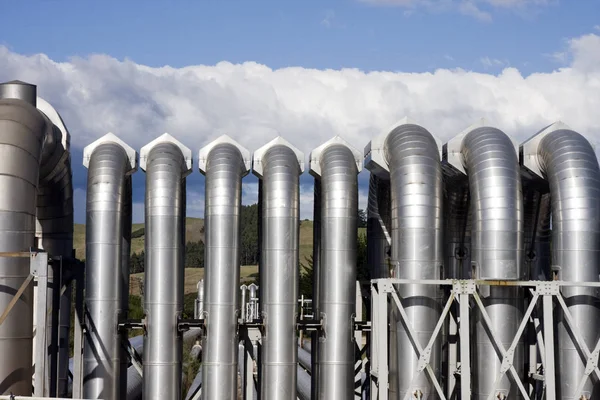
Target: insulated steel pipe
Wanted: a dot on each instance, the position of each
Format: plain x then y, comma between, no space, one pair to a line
336,165
109,162
22,130
411,156
54,233
279,165
166,163
314,359
568,162
488,157
224,163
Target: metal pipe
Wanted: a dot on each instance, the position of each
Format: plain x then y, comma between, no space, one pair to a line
109,161
496,205
315,288
244,302
304,384
279,165
54,232
166,163
125,254
568,162
411,157
304,359
22,129
224,163
335,164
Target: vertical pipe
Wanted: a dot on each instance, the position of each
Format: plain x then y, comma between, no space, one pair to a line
492,166
109,161
54,230
280,171
224,168
569,163
125,254
339,207
314,337
22,130
417,247
166,166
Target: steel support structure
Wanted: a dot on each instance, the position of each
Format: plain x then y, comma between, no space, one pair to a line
544,296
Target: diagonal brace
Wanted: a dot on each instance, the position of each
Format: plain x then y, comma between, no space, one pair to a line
419,350
499,346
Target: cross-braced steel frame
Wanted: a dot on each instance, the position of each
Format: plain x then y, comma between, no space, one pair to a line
465,292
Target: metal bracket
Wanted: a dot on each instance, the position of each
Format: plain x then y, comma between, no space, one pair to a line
309,324
550,288
186,324
133,324
464,287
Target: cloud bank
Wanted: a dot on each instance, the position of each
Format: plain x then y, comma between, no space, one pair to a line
253,103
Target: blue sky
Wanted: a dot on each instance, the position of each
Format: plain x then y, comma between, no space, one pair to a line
316,34
303,69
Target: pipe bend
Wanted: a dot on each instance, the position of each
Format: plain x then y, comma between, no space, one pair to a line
569,163
416,182
494,175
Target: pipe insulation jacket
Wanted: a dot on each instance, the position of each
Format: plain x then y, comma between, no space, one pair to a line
108,167
224,171
417,252
166,169
337,271
279,272
497,233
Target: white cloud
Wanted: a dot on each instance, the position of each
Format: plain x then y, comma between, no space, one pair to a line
471,9
253,103
488,62
478,9
597,27
327,20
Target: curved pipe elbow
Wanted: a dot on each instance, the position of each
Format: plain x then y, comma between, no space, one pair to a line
494,174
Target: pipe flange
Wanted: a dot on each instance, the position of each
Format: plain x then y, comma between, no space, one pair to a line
529,149
374,158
